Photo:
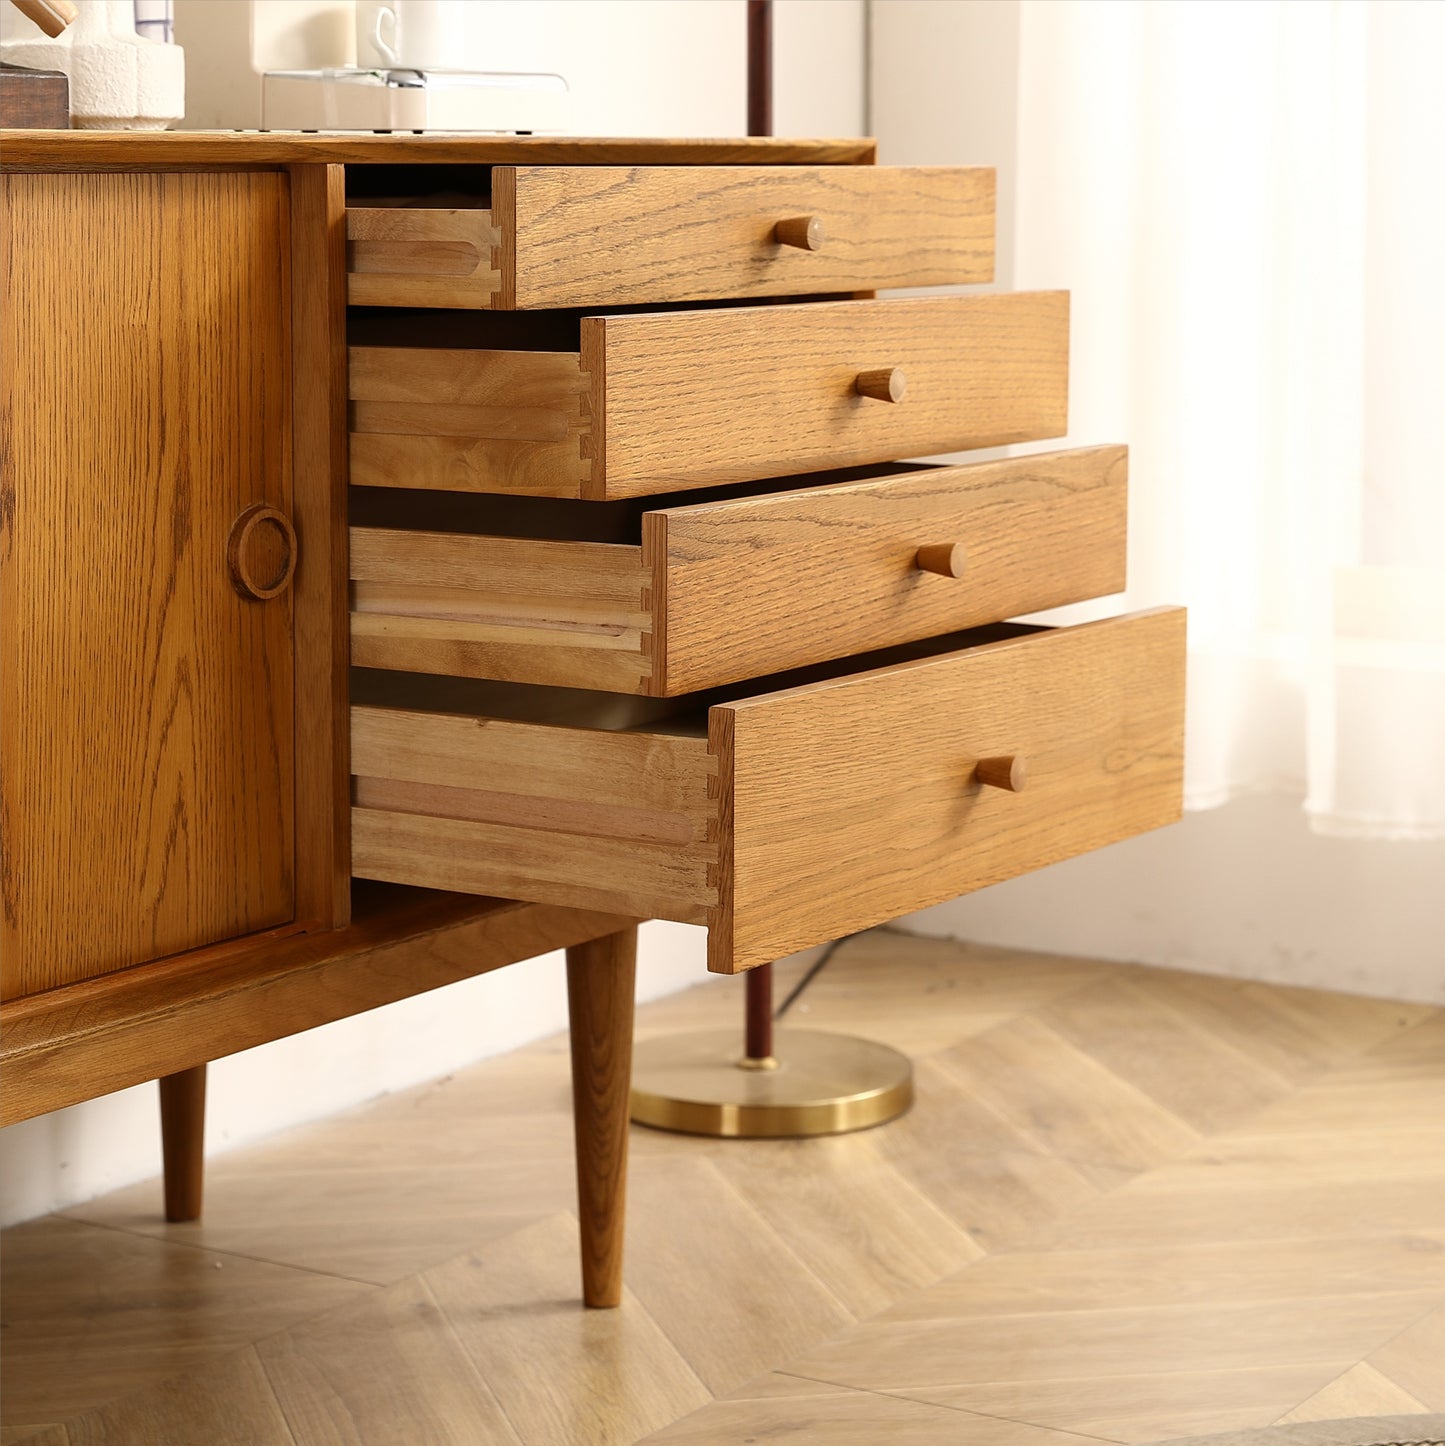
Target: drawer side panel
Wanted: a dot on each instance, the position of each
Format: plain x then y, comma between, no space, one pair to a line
514,609
552,815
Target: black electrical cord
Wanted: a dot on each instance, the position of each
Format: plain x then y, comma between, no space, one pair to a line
812,974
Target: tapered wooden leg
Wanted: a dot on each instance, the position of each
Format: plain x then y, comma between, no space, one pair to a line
183,1141
600,980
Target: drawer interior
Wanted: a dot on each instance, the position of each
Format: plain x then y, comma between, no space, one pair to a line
498,514
685,716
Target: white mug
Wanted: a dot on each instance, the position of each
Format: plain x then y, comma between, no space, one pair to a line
410,35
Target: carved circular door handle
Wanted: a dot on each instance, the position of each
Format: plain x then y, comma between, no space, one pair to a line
261,552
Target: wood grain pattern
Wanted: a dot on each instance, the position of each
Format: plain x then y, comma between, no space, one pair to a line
155,150
726,396
318,595
754,585
421,256
612,236
881,763
666,401
601,978
501,1301
145,700
324,1374
59,1273
515,609
87,1039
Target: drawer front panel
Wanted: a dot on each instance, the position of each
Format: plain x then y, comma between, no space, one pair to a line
803,814
665,401
695,398
609,236
759,584
856,801
563,236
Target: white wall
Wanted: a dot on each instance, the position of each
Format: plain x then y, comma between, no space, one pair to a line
636,67
1244,890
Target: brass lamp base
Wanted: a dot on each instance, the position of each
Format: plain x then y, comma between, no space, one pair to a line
818,1084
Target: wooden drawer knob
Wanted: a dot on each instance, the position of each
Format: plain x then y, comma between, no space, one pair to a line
1008,772
804,232
261,552
947,559
887,384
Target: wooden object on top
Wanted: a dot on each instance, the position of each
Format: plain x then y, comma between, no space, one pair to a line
33,99
51,16
72,1044
210,150
152,703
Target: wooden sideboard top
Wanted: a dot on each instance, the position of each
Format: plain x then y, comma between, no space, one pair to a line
161,150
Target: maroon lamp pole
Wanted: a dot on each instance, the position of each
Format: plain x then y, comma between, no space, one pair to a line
816,1084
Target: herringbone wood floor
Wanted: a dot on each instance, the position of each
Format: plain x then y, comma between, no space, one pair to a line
1129,1205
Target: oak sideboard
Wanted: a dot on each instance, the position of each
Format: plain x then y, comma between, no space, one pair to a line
421,553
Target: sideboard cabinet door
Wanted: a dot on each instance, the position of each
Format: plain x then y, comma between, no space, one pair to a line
145,696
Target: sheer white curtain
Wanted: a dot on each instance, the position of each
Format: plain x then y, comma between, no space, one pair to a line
1248,203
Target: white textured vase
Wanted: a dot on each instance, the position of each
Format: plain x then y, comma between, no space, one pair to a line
118,80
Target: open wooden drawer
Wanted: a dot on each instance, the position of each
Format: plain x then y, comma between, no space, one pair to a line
780,818
662,401
665,600
556,236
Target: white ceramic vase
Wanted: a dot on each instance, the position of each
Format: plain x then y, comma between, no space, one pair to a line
118,80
